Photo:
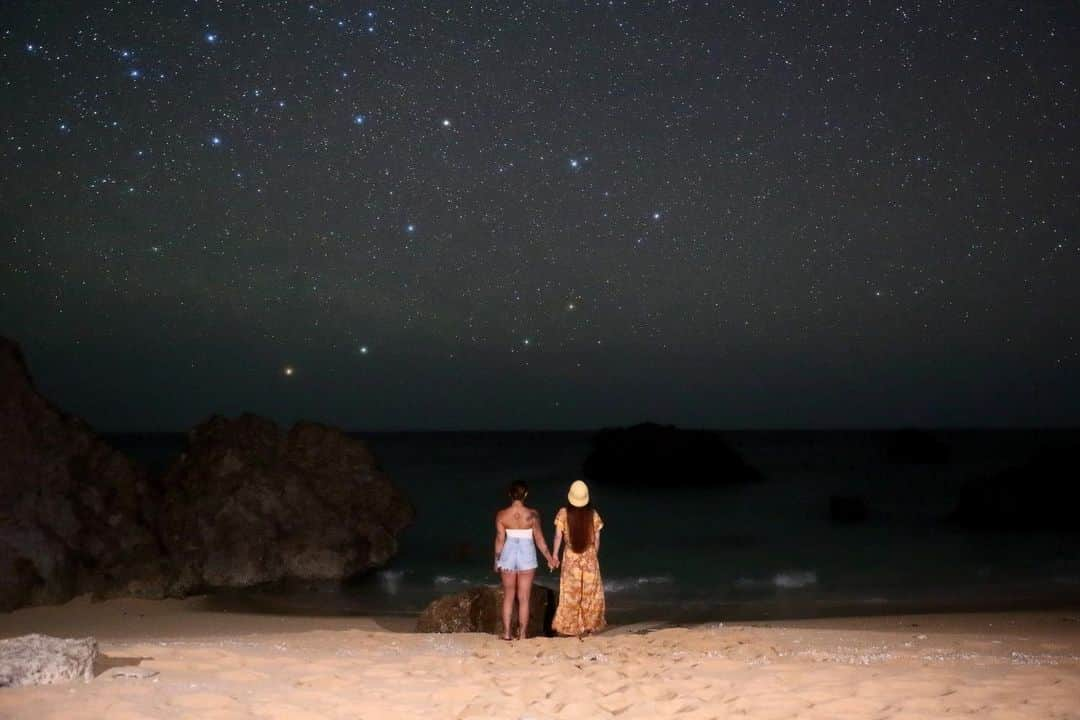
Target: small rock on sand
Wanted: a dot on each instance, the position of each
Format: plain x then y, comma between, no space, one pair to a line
44,660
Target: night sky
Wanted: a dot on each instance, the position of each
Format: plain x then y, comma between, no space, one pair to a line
544,215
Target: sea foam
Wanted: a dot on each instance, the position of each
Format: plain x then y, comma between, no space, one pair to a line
621,584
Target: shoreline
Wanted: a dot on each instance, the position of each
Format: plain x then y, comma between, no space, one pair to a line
233,665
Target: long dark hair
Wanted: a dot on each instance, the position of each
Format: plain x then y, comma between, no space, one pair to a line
579,525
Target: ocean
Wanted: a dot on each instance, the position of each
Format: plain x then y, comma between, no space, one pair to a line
764,550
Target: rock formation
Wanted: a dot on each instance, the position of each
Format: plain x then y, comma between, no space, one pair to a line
248,504
917,447
75,515
44,660
1042,494
663,455
479,609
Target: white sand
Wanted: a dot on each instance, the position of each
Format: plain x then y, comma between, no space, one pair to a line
227,665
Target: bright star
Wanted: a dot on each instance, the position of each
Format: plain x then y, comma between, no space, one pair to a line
126,54
134,73
358,120
288,370
410,228
573,163
215,140
363,349
656,216
446,123
211,37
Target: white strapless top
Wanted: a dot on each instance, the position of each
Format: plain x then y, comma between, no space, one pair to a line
516,533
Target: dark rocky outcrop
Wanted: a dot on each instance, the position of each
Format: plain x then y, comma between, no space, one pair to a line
479,609
1043,494
249,504
246,504
847,509
916,447
76,516
45,660
663,455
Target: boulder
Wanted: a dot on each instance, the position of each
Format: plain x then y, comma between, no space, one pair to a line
916,447
662,456
479,609
44,660
847,509
248,503
76,516
1042,494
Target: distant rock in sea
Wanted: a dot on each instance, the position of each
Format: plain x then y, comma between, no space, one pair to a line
76,516
1042,494
917,447
246,504
479,609
249,504
664,455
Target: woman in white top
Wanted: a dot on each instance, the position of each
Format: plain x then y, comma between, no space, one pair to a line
517,536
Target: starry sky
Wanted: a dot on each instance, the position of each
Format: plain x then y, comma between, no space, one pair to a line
506,215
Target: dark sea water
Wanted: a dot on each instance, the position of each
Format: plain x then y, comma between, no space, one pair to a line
766,550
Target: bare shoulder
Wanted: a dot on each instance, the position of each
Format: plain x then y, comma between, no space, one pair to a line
500,516
532,515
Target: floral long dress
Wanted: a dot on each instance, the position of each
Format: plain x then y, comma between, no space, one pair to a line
581,589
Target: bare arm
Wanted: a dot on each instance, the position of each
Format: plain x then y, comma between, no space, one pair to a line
596,540
538,538
557,543
500,539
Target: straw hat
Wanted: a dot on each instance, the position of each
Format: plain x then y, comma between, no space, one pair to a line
579,494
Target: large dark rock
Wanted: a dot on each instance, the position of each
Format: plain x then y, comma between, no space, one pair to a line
911,446
1043,494
663,455
76,516
45,660
249,504
847,509
246,504
479,609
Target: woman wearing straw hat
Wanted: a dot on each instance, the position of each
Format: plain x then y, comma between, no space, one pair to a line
581,590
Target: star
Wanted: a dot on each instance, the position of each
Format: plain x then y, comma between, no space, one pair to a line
410,228
215,141
446,122
656,216
358,120
574,163
134,73
211,37
363,349
288,371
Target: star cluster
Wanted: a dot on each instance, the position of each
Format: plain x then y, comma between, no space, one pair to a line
545,215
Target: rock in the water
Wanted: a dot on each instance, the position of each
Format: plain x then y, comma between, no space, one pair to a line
75,514
1042,494
44,660
663,455
847,509
479,609
248,504
917,447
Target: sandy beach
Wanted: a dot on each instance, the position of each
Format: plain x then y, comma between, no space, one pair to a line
223,665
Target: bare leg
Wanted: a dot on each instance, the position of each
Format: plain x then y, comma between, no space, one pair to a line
524,590
509,585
